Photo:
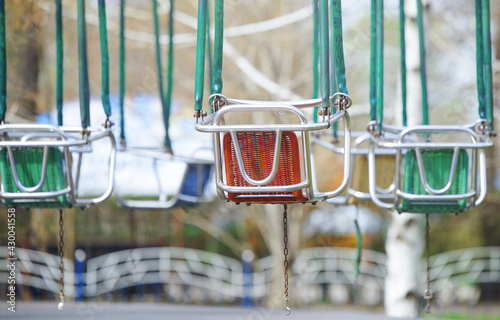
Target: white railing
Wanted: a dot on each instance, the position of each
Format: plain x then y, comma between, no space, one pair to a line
224,277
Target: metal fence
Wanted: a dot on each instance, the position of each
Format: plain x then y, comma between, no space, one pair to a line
320,273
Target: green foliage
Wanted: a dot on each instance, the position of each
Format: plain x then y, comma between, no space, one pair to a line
460,316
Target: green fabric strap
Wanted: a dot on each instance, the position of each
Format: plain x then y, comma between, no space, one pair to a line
158,51
83,66
333,65
339,47
324,54
121,69
479,60
403,58
59,62
315,58
3,63
359,246
380,64
103,37
218,46
423,73
161,89
170,76
486,35
373,61
209,59
200,55
377,63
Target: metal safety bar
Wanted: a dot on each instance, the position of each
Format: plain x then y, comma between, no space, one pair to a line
476,186
71,140
358,150
215,124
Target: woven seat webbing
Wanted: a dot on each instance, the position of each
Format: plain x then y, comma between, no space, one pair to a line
29,169
196,179
257,149
437,164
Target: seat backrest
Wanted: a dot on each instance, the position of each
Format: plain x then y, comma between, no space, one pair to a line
257,150
437,164
196,180
29,168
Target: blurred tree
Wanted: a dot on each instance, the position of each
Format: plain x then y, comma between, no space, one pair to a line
24,20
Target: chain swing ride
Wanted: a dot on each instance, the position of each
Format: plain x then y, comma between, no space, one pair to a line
270,163
432,176
36,160
197,172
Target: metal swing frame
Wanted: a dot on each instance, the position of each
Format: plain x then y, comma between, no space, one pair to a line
69,140
163,202
358,149
215,124
159,155
407,138
261,189
476,175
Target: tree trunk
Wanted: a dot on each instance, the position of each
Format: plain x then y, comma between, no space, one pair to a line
404,241
23,20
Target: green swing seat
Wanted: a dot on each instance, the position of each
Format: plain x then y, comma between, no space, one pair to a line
29,168
437,164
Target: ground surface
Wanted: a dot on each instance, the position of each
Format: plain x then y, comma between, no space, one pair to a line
133,311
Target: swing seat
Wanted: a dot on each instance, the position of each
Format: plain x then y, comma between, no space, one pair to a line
190,192
437,164
194,184
28,162
257,150
359,188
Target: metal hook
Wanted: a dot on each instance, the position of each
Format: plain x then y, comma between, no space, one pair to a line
286,308
60,305
428,297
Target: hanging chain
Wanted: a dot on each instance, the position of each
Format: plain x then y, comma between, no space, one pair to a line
285,263
427,292
60,306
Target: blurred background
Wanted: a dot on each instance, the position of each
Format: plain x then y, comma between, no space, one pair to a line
220,253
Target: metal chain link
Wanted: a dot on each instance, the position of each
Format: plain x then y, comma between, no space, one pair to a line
60,306
285,263
427,292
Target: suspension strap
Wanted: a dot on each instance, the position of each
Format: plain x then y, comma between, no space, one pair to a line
121,72
377,63
315,56
209,50
103,37
428,291
59,62
60,306
200,55
380,64
324,54
373,60
163,98
402,45
218,46
170,76
423,69
83,66
483,65
359,248
286,308
3,64
339,46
